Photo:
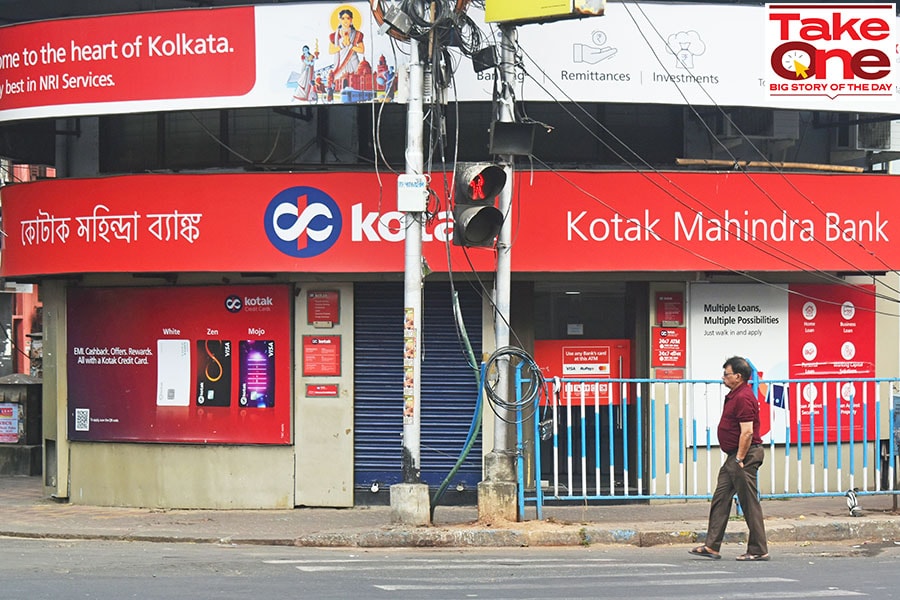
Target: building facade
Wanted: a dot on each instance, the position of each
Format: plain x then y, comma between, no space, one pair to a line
221,253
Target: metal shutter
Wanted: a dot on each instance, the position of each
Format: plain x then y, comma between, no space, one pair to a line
449,387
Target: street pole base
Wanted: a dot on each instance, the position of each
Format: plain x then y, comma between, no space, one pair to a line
497,501
410,504
500,466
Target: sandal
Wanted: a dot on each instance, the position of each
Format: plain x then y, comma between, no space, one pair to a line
752,557
706,552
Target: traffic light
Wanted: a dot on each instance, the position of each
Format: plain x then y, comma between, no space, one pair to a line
476,221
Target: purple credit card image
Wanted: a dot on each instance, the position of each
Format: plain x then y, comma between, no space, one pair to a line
257,373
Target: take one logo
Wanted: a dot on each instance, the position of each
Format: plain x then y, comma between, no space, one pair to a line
303,222
831,50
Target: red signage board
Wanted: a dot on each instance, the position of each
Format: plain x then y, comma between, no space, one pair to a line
173,54
670,374
321,355
669,344
585,359
832,335
346,223
323,307
322,390
669,308
182,364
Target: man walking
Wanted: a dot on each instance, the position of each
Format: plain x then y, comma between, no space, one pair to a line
739,438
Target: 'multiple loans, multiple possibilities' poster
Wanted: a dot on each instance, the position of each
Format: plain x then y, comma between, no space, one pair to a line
192,364
790,332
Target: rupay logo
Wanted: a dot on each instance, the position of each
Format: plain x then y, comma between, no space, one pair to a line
303,222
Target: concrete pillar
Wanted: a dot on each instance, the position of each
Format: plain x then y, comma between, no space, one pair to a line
410,504
497,496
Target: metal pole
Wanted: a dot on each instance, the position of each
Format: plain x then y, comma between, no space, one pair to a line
497,497
502,283
412,279
410,502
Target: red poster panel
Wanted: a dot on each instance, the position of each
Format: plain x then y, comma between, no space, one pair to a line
321,355
670,374
575,360
190,364
669,308
669,346
323,308
322,391
831,335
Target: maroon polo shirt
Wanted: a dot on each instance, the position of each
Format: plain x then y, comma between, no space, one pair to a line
741,406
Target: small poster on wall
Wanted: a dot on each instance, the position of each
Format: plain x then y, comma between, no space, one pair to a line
323,308
321,355
9,423
669,346
670,308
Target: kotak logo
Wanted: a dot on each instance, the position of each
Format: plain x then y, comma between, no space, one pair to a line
233,304
303,222
831,50
259,301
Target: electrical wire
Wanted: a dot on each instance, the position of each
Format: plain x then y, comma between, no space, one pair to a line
775,253
740,167
526,399
778,254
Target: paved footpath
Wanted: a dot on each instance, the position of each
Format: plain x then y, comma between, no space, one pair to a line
26,512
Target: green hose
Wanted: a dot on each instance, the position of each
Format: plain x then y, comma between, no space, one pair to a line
475,428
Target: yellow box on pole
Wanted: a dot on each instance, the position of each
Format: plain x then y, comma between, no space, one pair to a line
540,11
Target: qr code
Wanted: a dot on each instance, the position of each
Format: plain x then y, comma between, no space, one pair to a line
82,419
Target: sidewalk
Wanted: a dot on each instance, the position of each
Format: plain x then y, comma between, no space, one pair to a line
25,512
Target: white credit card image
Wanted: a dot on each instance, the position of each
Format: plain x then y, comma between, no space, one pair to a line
173,373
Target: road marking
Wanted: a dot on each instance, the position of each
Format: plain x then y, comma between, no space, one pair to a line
788,595
643,583
505,561
380,566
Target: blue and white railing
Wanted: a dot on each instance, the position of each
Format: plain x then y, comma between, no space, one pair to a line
653,439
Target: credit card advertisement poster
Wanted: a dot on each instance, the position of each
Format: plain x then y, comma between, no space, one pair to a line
193,364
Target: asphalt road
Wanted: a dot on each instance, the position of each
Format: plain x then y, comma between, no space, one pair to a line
96,570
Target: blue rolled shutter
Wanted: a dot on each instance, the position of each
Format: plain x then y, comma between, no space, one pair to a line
449,387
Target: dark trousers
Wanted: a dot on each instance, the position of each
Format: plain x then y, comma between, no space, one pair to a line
735,480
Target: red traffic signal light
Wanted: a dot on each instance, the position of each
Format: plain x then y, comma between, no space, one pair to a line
476,221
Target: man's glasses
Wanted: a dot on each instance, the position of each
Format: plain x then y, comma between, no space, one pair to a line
727,374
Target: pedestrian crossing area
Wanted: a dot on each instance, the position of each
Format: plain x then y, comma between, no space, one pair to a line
521,574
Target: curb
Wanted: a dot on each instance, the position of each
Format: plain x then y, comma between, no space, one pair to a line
513,535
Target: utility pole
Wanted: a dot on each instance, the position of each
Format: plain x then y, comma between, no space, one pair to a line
410,502
497,497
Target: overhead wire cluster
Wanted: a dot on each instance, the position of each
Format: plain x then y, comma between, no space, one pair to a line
441,29
643,167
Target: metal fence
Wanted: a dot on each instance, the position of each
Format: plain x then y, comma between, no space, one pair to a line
640,439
